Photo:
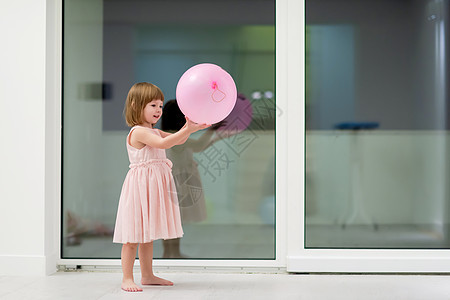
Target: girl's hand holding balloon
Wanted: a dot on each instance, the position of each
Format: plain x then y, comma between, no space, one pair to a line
193,127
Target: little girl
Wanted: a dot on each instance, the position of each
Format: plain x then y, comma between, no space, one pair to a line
148,206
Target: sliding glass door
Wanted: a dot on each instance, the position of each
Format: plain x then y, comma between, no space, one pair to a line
376,137
227,198
377,125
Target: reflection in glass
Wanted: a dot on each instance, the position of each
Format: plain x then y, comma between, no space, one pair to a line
377,126
226,174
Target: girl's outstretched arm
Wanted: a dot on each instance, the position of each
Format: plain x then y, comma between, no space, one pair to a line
166,134
143,136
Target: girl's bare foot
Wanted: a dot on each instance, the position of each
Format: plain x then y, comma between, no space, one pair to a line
128,285
153,280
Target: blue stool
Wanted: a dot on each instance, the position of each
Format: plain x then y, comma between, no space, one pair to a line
357,125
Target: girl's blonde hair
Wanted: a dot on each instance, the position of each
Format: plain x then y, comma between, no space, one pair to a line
139,96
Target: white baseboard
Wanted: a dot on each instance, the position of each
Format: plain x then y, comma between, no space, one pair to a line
27,265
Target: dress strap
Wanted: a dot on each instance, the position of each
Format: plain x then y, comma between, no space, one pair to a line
138,126
133,128
129,134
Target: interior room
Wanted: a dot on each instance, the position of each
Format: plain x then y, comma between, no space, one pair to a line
326,179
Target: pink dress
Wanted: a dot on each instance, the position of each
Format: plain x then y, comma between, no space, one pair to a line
148,206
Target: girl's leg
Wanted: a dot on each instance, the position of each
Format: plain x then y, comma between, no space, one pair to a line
146,261
128,256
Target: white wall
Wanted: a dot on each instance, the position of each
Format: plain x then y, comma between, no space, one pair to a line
25,203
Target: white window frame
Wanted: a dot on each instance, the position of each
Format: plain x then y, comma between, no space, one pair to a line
54,164
300,259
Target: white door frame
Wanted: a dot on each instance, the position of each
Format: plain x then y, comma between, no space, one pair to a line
54,133
290,136
300,259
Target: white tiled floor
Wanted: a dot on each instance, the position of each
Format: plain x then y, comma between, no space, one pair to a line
106,285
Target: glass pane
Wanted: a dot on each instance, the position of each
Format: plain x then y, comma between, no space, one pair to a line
377,129
226,189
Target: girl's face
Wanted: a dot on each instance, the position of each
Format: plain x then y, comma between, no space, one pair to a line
152,112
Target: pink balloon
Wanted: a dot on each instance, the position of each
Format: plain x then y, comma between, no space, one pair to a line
240,117
206,93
